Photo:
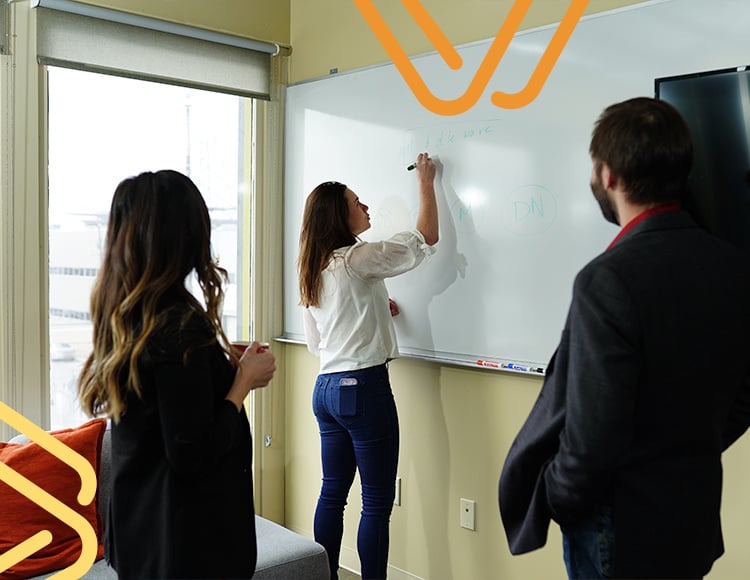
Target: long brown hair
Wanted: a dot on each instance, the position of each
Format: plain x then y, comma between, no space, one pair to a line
325,228
158,233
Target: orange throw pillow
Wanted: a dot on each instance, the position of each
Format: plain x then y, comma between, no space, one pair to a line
20,518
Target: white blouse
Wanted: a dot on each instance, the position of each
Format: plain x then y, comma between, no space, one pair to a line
352,328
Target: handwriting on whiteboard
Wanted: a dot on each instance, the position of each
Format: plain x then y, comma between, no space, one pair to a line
530,210
441,136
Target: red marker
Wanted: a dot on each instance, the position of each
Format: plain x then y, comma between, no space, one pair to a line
487,363
264,346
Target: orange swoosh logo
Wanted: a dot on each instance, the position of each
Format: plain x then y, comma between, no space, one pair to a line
488,65
54,506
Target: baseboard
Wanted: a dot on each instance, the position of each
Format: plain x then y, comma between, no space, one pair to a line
349,559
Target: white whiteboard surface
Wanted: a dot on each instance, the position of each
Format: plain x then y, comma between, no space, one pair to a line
517,218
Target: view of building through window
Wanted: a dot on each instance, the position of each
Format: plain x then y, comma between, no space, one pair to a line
103,129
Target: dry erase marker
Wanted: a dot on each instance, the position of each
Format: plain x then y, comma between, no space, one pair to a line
414,165
487,363
264,346
516,367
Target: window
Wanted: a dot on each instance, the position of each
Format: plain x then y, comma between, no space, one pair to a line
103,129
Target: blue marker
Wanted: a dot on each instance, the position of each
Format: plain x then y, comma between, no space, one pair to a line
516,367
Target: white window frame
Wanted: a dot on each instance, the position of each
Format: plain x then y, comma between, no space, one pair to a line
24,380
24,334
24,308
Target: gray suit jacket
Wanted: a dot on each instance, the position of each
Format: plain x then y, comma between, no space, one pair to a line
649,384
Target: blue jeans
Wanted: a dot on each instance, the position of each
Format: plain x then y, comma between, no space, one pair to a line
358,430
589,547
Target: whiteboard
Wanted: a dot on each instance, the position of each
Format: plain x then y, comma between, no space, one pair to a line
517,218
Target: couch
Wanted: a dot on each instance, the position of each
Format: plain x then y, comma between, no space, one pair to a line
282,554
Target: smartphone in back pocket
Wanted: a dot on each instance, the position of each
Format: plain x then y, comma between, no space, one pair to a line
348,387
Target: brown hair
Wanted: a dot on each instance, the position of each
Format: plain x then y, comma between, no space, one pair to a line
325,228
647,144
158,233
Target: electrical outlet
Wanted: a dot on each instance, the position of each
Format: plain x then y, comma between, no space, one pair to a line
397,498
467,514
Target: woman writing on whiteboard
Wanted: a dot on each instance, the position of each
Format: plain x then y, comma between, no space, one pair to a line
348,325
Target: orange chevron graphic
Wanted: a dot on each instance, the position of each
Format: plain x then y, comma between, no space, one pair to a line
54,506
489,63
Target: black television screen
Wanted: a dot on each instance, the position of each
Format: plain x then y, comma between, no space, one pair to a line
716,106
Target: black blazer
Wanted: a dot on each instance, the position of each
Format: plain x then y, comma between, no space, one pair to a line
649,384
182,497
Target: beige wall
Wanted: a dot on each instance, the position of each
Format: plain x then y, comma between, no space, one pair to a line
330,34
457,424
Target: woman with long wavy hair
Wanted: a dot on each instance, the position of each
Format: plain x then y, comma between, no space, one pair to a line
348,325
163,370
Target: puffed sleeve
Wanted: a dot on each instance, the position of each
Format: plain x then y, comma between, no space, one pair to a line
385,259
312,336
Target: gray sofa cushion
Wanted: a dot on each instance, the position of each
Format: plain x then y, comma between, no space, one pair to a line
282,554
285,555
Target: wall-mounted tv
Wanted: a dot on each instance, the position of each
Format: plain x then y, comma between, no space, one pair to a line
716,106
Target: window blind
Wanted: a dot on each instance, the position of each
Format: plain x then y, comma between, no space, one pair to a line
3,27
81,36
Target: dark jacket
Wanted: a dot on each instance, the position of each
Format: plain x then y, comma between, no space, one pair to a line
182,497
649,384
